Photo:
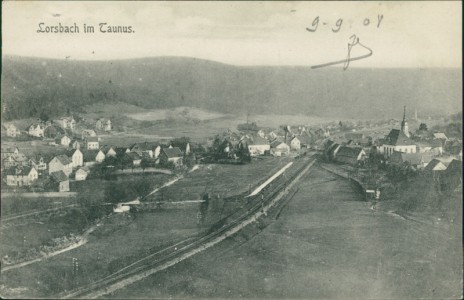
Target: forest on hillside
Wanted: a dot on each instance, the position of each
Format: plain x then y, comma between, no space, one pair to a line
32,87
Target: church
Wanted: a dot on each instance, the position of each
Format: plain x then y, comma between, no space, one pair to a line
398,140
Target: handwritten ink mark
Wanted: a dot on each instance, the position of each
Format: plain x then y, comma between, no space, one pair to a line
346,62
56,15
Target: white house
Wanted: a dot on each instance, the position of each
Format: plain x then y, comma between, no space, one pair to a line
173,155
92,143
39,164
60,163
20,176
87,132
61,181
66,122
77,158
82,173
258,146
64,140
279,148
93,156
295,144
103,124
11,130
36,130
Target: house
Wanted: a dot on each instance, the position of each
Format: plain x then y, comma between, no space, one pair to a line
75,144
272,135
36,130
66,122
173,155
440,136
11,130
103,124
87,132
60,180
6,152
135,158
397,141
295,144
152,148
15,160
434,147
435,165
258,146
92,143
332,151
452,176
38,163
306,139
279,148
261,133
82,173
350,155
92,157
21,176
60,163
64,140
53,132
77,157
109,151
416,160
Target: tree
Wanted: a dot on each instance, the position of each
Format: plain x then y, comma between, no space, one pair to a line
423,127
180,142
145,163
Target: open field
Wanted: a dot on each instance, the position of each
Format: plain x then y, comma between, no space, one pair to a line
326,243
122,238
223,179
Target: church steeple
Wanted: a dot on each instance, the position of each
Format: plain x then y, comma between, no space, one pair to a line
404,124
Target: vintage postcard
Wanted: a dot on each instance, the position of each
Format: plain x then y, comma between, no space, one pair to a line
154,150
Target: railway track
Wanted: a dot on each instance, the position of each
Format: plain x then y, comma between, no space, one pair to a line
254,208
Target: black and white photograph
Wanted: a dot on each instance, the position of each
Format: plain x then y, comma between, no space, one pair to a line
231,150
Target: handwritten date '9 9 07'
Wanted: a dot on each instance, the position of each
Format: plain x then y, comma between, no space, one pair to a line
339,23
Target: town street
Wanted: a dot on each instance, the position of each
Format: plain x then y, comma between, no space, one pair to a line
326,243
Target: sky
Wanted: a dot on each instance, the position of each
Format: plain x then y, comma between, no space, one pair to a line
410,34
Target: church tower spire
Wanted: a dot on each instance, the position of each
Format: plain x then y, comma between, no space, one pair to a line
404,124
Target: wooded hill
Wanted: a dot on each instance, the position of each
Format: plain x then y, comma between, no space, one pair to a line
35,86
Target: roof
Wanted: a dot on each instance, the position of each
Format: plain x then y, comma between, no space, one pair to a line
89,155
63,159
134,155
397,138
91,139
435,165
412,158
84,169
354,135
172,152
277,142
349,152
59,176
9,150
24,171
440,135
259,141
71,152
144,146
455,166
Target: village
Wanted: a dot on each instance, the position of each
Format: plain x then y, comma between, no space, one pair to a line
79,150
